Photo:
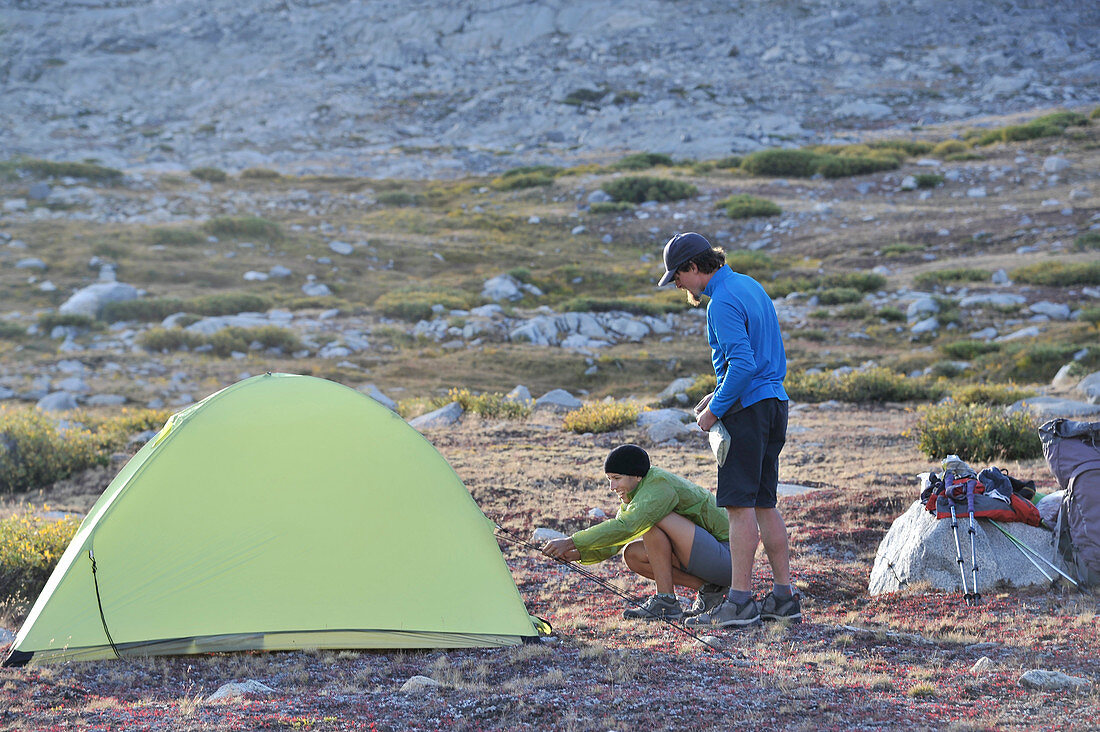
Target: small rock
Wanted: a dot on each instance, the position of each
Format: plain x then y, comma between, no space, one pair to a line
558,400
376,394
341,247
596,513
419,685
39,191
316,289
543,534
442,417
1055,164
58,401
980,666
1052,681
236,689
976,192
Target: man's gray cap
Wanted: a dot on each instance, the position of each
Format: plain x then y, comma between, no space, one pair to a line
679,250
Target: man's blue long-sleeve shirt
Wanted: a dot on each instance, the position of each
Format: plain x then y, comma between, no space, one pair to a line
746,345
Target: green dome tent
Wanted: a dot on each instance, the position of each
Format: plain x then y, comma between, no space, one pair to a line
283,512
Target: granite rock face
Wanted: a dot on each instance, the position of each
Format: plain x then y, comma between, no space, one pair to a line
155,84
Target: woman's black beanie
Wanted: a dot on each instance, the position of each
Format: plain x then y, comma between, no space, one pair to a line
627,460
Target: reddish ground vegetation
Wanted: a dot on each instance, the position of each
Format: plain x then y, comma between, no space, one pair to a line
857,662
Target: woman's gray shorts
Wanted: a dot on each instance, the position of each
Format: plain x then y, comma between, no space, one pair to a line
710,559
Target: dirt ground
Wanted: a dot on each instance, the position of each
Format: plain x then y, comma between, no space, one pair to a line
856,662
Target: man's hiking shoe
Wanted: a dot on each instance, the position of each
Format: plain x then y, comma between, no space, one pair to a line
709,597
728,615
655,608
781,608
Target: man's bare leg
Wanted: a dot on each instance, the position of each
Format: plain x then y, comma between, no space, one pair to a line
744,538
773,533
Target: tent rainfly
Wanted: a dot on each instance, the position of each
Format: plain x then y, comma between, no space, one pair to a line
283,512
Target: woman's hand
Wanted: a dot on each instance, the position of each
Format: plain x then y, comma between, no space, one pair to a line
563,548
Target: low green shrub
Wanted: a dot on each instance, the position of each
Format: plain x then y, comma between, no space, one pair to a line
941,277
228,340
547,170
967,349
1095,114
828,161
210,175
744,206
11,331
874,385
838,295
890,314
845,167
1087,315
950,147
399,198
900,249
929,180
990,394
1087,241
639,189
414,305
166,340
30,547
757,265
862,281
1058,273
606,207
35,453
244,227
49,321
601,417
171,237
260,174
51,169
703,385
492,405
584,96
728,163
227,303
636,305
143,309
1050,125
781,163
519,182
223,342
641,161
977,433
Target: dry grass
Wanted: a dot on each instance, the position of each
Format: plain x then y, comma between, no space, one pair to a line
907,657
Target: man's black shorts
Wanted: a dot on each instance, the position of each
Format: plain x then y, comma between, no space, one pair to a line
750,474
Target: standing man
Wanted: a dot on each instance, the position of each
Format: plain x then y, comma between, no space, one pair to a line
750,364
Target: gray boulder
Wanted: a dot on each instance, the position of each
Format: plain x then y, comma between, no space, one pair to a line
90,300
520,394
235,689
653,416
1089,388
376,394
58,401
1055,164
669,430
106,400
1052,681
502,287
1051,407
558,400
994,299
442,417
920,548
1054,311
677,390
921,308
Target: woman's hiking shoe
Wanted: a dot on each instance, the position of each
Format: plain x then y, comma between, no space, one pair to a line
781,608
727,615
655,608
709,597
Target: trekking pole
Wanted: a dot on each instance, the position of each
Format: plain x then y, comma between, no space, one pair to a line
1028,552
976,597
958,549
509,536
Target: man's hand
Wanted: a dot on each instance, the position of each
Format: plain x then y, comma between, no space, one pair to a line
561,549
706,420
702,404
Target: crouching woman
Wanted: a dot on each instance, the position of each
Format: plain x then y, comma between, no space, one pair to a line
673,531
